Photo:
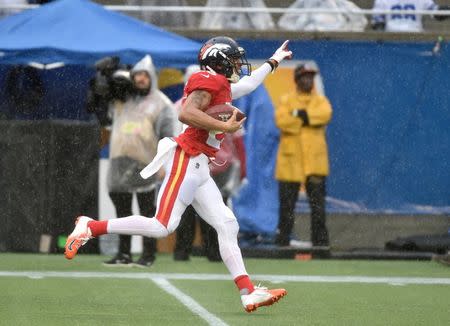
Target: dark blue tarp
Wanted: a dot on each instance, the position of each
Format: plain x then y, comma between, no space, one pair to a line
389,139
64,95
81,32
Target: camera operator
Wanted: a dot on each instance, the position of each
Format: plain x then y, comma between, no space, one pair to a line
111,84
140,115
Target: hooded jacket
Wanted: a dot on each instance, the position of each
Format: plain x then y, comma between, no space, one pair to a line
138,125
303,149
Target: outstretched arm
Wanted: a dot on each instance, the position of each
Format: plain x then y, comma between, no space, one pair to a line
249,83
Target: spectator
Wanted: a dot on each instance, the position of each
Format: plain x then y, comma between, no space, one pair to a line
139,121
236,21
168,18
348,21
403,22
302,157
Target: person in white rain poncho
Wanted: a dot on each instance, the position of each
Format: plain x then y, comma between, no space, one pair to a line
236,21
349,21
138,124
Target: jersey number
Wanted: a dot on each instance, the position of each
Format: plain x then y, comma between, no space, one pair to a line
407,6
215,138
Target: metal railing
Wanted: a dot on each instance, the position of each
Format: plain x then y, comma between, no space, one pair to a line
270,10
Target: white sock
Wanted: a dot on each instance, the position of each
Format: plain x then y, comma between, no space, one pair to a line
229,249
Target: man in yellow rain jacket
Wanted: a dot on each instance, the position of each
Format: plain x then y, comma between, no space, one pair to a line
302,158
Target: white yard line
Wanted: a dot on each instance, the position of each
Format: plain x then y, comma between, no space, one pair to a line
188,302
222,277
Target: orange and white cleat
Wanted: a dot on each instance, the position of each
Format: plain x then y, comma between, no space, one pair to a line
261,296
80,235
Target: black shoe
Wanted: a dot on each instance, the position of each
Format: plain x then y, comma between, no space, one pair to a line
213,254
214,257
145,262
119,260
180,256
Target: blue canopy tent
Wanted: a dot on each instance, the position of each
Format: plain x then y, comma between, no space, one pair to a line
77,33
58,148
81,32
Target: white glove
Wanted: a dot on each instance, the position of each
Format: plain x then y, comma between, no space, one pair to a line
282,53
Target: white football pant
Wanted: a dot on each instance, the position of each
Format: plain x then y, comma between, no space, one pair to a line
188,181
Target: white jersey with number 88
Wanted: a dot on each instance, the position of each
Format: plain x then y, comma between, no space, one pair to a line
403,22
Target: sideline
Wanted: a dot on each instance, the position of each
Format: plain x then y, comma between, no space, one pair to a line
226,277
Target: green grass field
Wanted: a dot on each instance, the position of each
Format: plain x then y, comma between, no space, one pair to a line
49,290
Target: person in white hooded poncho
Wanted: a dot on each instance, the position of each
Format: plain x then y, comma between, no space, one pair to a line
138,124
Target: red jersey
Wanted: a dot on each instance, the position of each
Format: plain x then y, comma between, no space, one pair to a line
195,140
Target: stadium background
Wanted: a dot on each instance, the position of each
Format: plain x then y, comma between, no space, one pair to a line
388,140
391,145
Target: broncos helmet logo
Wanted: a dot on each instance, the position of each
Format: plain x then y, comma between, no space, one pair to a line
214,50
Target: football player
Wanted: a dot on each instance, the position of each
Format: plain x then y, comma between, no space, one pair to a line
404,22
185,159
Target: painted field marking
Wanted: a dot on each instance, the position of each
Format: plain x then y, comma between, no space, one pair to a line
188,302
226,277
161,280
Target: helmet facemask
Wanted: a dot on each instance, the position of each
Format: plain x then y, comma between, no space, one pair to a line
240,66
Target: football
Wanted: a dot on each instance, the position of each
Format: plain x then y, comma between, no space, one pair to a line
223,112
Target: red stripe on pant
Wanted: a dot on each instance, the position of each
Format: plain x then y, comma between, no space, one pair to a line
169,182
170,194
